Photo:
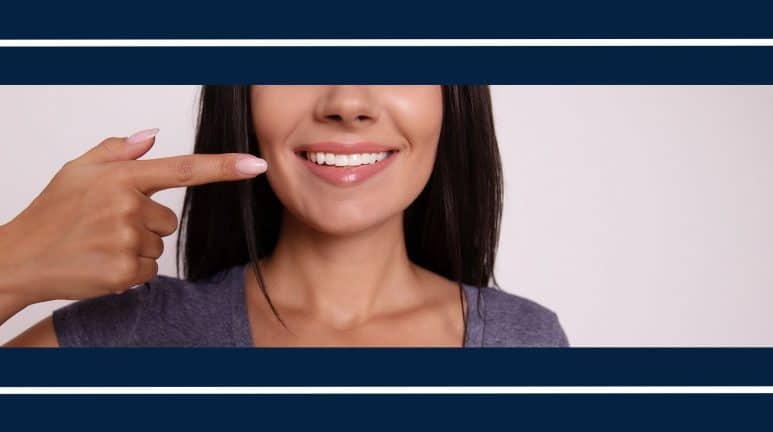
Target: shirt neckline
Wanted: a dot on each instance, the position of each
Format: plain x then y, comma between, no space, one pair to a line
242,333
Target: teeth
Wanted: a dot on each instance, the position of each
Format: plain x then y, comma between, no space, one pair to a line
340,160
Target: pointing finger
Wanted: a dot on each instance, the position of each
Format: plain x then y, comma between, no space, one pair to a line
153,175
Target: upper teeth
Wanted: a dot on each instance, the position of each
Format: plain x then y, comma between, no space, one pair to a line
345,160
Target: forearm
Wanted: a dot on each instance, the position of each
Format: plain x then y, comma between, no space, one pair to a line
11,286
9,306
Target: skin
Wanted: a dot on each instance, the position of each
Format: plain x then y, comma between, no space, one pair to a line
94,229
340,275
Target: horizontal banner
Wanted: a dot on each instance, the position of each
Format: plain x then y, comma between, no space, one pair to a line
576,42
363,390
388,65
387,412
386,367
398,18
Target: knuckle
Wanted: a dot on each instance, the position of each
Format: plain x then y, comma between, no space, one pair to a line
123,270
183,170
80,173
227,166
129,205
119,172
126,268
128,237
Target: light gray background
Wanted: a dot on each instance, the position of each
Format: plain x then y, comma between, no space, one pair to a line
640,214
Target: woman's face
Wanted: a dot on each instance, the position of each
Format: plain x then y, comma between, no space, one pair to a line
373,149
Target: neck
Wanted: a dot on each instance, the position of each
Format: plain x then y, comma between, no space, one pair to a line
343,279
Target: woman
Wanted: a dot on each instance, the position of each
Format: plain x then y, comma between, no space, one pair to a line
375,224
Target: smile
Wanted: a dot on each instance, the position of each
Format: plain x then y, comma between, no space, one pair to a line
342,160
346,169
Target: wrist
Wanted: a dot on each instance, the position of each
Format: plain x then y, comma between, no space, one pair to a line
12,297
12,303
11,283
20,276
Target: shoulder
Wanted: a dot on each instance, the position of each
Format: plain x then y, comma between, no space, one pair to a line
512,320
165,311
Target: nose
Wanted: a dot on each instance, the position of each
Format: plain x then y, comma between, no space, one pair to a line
349,106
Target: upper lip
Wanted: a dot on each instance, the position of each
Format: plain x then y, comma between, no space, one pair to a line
345,148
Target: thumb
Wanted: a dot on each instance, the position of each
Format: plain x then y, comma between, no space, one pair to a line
121,149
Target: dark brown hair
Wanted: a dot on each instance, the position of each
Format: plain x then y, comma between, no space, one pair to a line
452,228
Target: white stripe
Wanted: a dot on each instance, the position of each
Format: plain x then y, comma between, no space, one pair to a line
393,390
374,42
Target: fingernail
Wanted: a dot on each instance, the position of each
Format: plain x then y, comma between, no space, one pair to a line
251,165
142,136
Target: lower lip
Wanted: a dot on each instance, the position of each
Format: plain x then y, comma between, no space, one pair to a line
347,176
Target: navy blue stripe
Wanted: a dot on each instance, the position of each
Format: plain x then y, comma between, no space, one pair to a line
396,18
392,412
385,367
389,65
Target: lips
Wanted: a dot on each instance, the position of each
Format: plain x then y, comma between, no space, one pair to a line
345,175
344,148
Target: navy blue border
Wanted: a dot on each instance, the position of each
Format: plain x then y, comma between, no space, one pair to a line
393,19
387,65
389,412
142,19
387,367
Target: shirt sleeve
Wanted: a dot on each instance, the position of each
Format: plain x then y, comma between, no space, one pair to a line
558,335
515,321
106,321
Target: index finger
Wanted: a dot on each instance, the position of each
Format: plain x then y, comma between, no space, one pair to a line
153,175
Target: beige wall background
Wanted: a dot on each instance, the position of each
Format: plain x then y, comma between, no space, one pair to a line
640,214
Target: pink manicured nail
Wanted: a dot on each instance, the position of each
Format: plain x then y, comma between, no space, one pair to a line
142,136
251,165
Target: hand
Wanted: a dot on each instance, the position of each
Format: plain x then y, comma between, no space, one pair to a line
94,229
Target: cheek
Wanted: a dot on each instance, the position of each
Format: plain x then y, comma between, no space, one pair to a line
420,110
419,119
418,115
277,111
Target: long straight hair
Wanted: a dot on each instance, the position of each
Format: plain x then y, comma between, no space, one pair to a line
452,228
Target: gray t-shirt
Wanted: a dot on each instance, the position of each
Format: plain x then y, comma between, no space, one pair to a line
172,312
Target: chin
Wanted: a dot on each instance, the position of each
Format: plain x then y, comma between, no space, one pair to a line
347,221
